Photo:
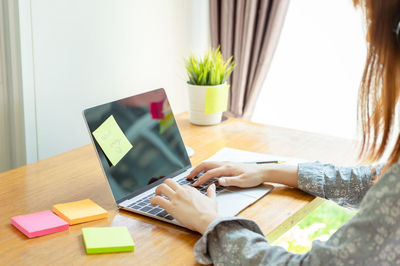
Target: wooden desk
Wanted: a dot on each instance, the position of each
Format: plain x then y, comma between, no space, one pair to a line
76,175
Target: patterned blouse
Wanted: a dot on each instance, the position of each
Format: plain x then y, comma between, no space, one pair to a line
371,237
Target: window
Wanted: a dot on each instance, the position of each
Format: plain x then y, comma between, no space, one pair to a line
315,74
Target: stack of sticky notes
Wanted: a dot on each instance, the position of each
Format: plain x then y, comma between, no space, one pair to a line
96,239
47,222
107,239
39,223
80,211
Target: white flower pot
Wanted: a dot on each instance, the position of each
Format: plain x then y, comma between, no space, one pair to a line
197,115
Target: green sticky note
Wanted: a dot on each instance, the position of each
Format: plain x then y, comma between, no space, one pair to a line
112,140
166,122
216,100
107,239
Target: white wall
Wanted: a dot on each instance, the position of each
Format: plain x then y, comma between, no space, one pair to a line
89,52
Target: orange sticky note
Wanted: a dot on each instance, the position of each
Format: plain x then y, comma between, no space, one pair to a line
80,211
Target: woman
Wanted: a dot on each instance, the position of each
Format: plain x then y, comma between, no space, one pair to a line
372,236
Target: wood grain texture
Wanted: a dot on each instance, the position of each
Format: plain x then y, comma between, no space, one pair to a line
77,175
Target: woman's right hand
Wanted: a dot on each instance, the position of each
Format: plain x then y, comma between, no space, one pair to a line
229,174
245,175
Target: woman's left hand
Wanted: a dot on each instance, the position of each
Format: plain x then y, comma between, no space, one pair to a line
187,205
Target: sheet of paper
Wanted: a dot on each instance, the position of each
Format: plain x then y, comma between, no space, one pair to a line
112,140
236,155
216,99
107,239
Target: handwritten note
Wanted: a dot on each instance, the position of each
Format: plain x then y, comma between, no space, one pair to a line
112,140
216,99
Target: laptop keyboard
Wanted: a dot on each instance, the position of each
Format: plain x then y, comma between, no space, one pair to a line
144,204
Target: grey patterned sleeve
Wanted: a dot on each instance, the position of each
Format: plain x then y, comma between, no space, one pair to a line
344,185
238,241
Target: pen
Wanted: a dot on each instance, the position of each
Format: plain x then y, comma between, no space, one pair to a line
263,162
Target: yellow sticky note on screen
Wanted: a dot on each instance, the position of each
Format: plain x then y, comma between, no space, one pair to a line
216,100
112,140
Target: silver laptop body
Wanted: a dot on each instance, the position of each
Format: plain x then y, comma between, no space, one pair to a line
157,153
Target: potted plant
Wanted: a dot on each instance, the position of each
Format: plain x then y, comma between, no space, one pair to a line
208,89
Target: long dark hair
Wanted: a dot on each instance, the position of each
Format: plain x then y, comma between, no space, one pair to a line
379,89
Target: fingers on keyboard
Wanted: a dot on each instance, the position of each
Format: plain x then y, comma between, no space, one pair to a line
144,204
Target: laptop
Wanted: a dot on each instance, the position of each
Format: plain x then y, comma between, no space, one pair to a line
139,145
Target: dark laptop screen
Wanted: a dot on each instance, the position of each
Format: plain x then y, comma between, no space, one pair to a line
153,147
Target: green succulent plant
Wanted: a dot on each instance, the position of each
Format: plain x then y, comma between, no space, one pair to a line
211,69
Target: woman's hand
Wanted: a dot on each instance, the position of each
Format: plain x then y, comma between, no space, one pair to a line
187,205
232,174
245,175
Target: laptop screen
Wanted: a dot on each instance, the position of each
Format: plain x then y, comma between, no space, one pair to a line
137,141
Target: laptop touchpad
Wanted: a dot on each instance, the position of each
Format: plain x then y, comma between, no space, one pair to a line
255,192
230,203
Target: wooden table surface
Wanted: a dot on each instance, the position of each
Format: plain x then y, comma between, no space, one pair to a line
77,175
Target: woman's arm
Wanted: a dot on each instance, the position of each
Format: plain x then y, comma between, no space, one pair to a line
371,237
344,185
245,175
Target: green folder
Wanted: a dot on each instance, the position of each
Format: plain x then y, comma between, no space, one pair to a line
107,239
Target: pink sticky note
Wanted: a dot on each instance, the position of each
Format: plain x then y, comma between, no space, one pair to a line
39,223
156,110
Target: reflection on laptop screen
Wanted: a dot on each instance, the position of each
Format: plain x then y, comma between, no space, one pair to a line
157,149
